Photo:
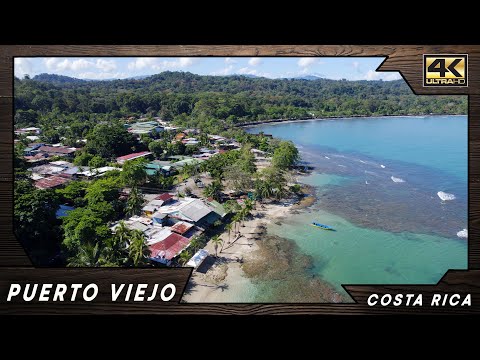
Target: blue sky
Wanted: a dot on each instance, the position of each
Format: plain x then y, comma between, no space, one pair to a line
351,68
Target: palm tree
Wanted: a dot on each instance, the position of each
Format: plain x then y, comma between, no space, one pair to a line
187,171
114,251
214,190
122,233
242,215
228,227
134,202
280,192
263,189
184,257
236,220
216,241
195,244
138,250
88,255
249,204
231,206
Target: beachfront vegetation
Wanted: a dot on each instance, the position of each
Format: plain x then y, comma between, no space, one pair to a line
216,242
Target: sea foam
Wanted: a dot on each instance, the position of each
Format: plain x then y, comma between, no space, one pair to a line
382,166
326,157
463,234
445,196
397,180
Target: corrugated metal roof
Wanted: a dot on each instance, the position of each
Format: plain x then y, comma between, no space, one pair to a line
133,156
159,215
217,207
181,227
170,247
57,149
51,182
157,234
165,197
150,208
136,225
196,210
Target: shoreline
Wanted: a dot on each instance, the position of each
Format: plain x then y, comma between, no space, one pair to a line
287,121
223,278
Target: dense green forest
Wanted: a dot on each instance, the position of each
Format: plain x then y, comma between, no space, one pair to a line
213,102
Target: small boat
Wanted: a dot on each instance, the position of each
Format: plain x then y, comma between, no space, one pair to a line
322,226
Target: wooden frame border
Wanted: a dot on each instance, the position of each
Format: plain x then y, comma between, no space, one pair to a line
406,59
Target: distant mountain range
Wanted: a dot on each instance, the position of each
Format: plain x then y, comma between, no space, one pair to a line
62,79
309,77
53,78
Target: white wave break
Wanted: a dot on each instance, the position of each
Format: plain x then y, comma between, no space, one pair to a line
382,166
445,196
326,157
463,234
397,180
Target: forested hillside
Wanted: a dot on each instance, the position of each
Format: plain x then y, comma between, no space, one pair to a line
215,101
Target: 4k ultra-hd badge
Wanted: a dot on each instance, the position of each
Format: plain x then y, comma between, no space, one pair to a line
445,70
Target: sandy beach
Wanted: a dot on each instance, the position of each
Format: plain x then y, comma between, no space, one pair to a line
222,278
218,278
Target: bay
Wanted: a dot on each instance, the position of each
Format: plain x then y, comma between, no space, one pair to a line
377,181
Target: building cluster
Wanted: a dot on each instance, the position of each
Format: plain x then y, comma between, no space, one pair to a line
169,223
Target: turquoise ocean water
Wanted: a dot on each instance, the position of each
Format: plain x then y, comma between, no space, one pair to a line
377,181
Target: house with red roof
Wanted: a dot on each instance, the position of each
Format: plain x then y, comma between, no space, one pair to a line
51,182
165,197
137,155
57,150
165,250
181,227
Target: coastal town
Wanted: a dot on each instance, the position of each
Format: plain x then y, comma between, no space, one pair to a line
172,168
158,207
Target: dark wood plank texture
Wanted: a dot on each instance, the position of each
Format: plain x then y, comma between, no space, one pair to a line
405,59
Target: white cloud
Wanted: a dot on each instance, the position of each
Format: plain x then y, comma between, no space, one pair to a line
161,65
51,63
228,70
247,71
106,65
72,65
306,62
230,60
373,75
183,62
22,67
355,64
102,75
141,63
254,61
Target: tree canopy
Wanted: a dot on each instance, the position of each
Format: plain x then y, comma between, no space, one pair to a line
201,101
285,155
110,140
